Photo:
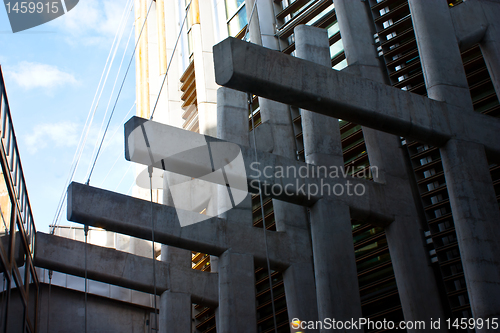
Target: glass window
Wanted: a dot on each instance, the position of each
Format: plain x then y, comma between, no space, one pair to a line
232,7
237,22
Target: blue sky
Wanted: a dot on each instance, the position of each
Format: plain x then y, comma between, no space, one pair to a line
51,75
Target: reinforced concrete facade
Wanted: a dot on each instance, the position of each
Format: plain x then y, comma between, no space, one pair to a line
400,94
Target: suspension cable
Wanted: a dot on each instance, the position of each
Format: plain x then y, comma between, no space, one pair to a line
171,58
48,301
86,231
150,171
263,215
86,129
122,30
120,154
120,91
111,95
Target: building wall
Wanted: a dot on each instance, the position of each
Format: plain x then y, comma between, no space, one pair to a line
67,313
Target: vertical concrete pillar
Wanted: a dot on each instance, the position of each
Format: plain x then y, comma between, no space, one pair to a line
414,278
175,312
476,216
301,298
439,53
300,305
237,309
331,232
321,134
490,45
334,262
472,198
232,125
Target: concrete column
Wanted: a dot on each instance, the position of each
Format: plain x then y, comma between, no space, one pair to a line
300,305
490,45
321,134
288,217
175,312
237,310
414,277
476,216
439,53
334,262
337,294
232,125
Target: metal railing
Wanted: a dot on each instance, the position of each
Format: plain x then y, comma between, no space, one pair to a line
9,147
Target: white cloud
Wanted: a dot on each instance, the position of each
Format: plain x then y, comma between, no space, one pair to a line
92,22
35,75
62,134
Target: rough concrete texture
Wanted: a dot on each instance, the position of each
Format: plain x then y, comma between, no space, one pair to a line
67,309
439,53
248,67
404,234
122,269
131,216
300,183
175,312
476,217
237,308
333,251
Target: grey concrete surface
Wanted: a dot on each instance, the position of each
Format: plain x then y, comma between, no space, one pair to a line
331,230
248,67
104,315
175,312
300,183
131,216
404,235
122,269
476,216
237,309
435,35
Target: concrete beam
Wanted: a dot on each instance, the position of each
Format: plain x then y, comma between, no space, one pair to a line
123,269
132,216
251,68
300,183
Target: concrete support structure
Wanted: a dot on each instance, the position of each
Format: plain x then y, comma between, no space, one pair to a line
404,234
473,200
123,269
475,212
175,312
331,231
237,309
371,104
439,53
435,127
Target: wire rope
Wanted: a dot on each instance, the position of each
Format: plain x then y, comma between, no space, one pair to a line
86,129
171,58
119,92
114,84
150,171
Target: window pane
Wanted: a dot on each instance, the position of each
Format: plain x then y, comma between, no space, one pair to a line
232,6
5,208
238,22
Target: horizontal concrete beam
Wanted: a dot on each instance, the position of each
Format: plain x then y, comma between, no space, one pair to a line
252,68
281,178
123,269
131,216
